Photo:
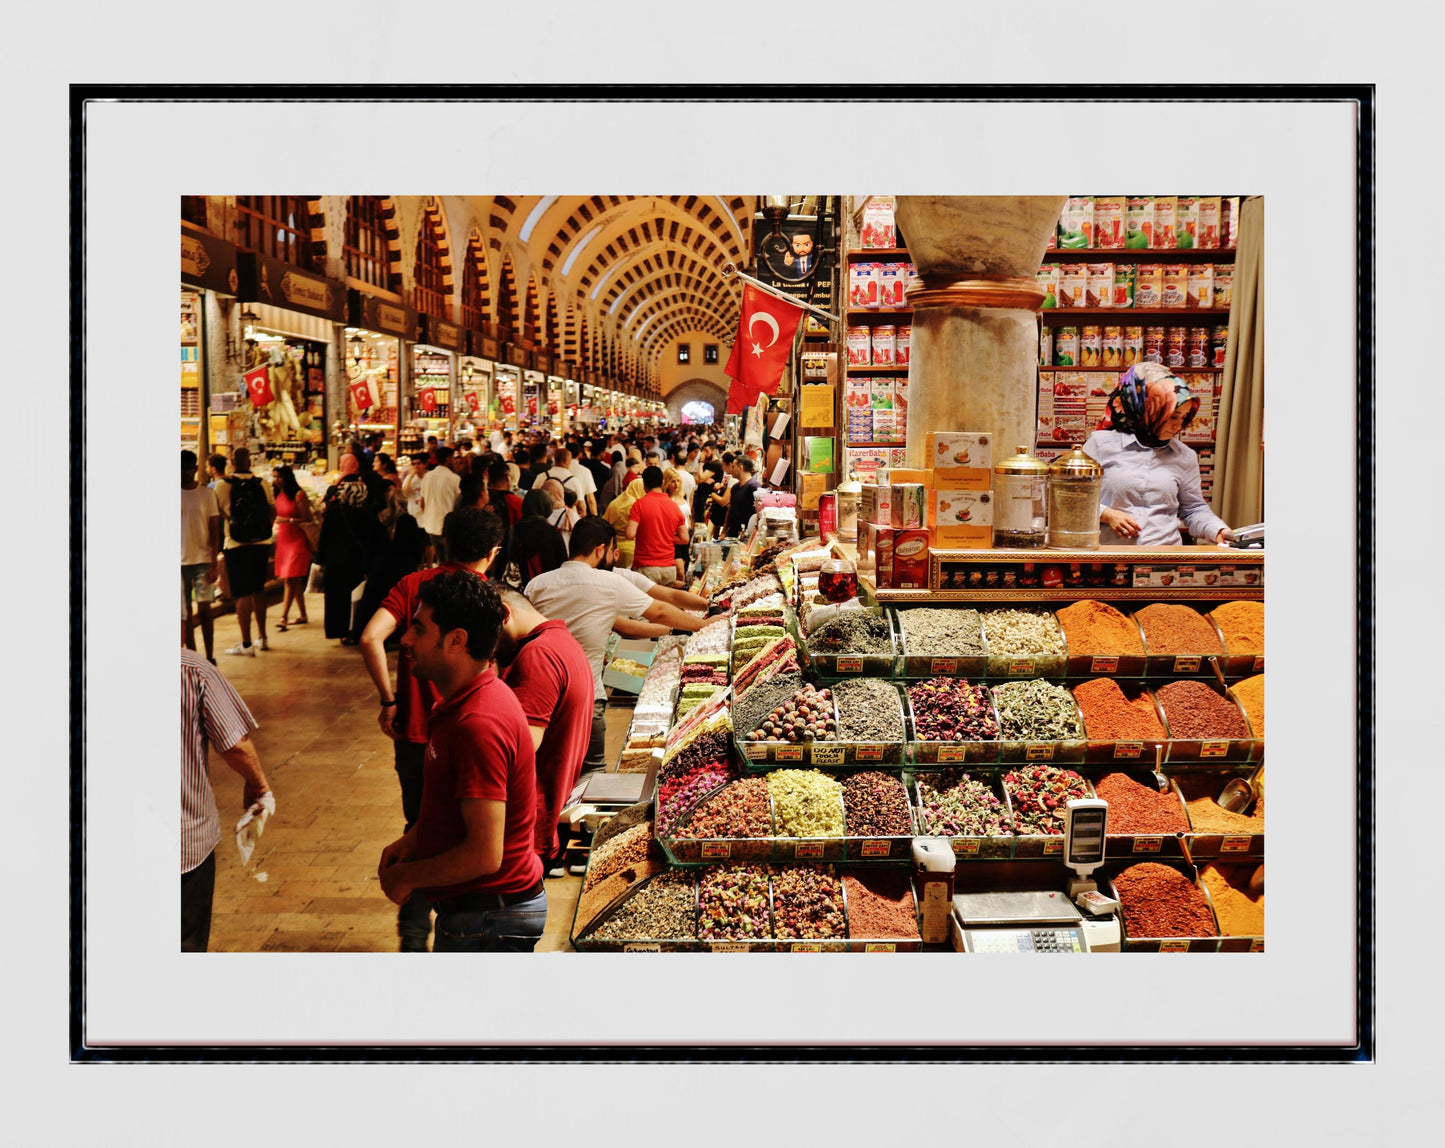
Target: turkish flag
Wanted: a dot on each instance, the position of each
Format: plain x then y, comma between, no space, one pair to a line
762,346
427,398
258,386
361,396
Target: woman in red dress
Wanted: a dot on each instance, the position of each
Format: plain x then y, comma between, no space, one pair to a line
293,551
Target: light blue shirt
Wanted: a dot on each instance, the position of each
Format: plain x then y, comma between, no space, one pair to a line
1156,486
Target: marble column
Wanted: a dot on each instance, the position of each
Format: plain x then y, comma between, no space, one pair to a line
975,338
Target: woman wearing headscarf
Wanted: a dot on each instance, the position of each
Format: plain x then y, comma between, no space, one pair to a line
1151,479
615,484
619,512
349,530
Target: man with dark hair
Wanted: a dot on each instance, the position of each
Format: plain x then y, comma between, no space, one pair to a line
704,507
438,499
740,497
499,488
472,851
550,674
657,525
249,507
473,537
473,491
590,596
200,555
600,470
215,470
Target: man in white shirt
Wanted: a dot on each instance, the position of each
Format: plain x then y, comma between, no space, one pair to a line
438,499
200,555
590,596
570,475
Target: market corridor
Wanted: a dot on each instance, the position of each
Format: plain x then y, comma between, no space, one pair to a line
311,884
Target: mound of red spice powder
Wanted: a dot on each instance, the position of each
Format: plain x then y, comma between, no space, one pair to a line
1193,710
1173,629
1138,808
1111,715
1097,628
1159,901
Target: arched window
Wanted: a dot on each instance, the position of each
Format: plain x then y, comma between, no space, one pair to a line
507,300
366,249
432,293
275,225
474,295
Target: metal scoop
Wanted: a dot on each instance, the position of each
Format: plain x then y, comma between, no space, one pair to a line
1236,796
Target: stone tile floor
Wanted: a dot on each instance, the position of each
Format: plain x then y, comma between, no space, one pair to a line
311,884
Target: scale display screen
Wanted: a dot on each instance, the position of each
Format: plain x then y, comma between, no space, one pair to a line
1084,831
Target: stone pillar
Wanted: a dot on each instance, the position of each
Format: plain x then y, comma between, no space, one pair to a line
975,339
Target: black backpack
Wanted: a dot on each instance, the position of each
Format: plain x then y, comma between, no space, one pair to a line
250,511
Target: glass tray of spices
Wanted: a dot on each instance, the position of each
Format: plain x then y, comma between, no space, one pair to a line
1038,721
852,643
1241,627
882,910
950,721
808,815
1179,641
972,812
857,722
658,915
734,909
940,642
808,910
1023,643
1122,721
1215,831
615,865
1236,890
1205,725
1101,639
731,823
877,817
1164,907
1037,796
1146,813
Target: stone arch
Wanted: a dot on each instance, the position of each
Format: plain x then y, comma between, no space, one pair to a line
685,392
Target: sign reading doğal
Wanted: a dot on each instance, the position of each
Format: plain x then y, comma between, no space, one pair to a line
208,262
382,315
267,280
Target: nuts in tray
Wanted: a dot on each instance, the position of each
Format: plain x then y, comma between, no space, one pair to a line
805,716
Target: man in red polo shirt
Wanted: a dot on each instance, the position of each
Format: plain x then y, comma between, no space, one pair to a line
472,537
658,525
472,852
549,672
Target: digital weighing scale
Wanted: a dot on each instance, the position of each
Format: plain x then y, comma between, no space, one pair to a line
1047,920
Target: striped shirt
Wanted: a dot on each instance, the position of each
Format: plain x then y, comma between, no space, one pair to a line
212,713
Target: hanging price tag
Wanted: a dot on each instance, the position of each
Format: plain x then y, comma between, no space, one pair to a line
965,846
1173,946
808,850
850,665
1147,844
1022,667
1256,945
1104,665
1053,846
716,850
1213,748
726,947
1259,663
951,753
1234,844
876,848
757,752
640,947
880,947
1128,749
1186,665
827,754
805,947
944,665
1040,752
870,753
789,753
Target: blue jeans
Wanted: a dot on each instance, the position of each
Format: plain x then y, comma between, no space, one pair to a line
515,929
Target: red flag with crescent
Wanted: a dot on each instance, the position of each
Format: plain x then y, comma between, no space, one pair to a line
760,351
427,399
361,397
258,386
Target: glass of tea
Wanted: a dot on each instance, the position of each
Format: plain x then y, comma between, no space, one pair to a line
838,580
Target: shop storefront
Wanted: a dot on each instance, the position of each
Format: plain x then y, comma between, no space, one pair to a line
208,275
480,388
435,375
289,323
380,331
534,393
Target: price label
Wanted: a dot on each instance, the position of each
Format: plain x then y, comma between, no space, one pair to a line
965,846
850,665
827,755
638,947
1040,752
1213,748
944,665
1104,665
715,850
806,947
728,947
1147,844
1234,844
1173,946
1186,665
877,848
1256,945
1053,846
1259,663
757,752
951,753
1128,749
805,850
870,753
880,947
1021,667
789,753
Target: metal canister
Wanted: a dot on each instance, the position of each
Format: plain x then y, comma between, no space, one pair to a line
850,498
828,513
1075,484
1020,507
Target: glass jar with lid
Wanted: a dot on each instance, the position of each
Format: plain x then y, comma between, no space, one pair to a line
1075,484
1020,510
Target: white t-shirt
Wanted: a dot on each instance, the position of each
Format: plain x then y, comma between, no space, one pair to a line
689,485
439,488
589,600
198,507
574,477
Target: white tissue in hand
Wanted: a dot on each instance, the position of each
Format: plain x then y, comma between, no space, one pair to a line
252,823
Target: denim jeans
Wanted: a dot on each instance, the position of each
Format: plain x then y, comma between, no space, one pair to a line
413,920
597,744
515,929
